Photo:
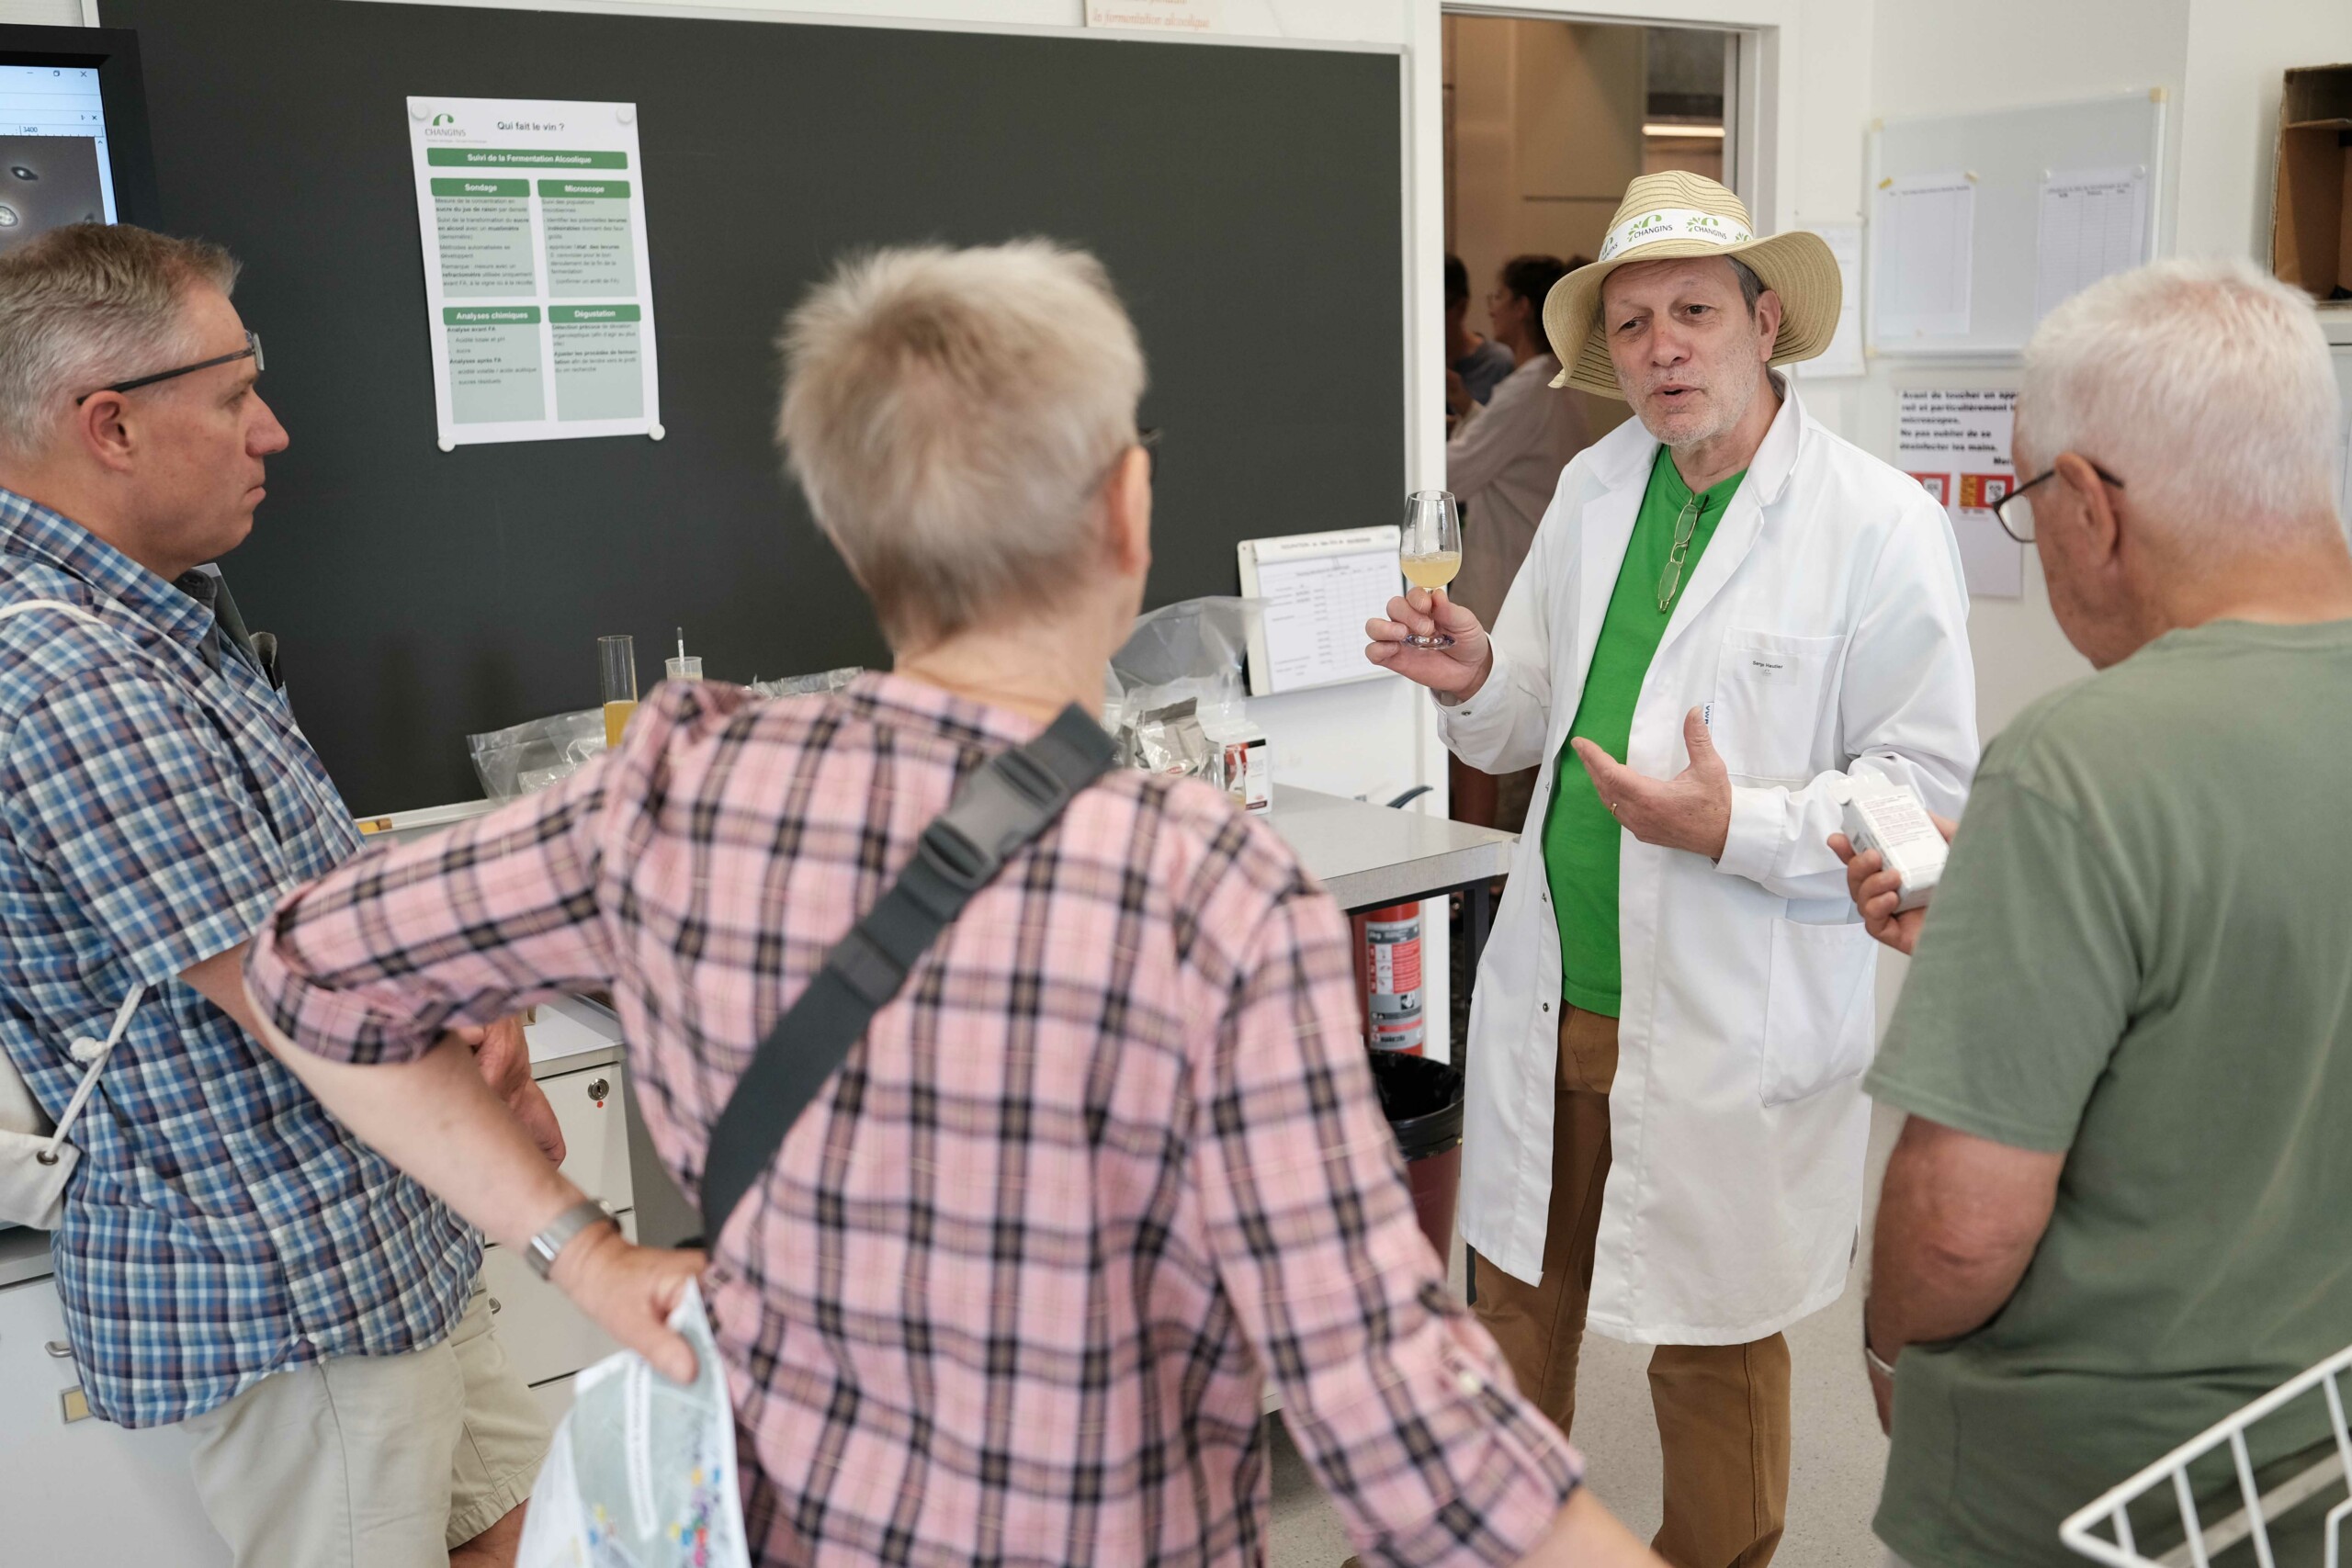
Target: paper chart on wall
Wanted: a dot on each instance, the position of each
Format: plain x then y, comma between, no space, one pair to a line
538,290
1319,589
1923,271
1956,446
2093,222
1844,355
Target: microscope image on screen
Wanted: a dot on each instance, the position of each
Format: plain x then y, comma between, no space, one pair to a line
47,182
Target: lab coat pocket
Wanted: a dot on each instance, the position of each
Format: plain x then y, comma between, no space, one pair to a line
1818,1014
1771,696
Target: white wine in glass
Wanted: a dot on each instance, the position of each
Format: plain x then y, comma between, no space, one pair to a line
1431,549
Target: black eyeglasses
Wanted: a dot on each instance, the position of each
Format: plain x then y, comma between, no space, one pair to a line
251,351
2015,513
1150,441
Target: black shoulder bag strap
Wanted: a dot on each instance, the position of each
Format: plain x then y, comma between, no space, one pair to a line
1014,797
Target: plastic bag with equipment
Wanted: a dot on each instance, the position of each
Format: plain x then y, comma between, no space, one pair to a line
808,685
527,757
1169,741
642,1473
1177,683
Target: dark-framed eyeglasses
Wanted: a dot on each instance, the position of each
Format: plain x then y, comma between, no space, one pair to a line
251,351
2015,512
1150,441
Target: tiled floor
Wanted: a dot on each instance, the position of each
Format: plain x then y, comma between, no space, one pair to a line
1834,1474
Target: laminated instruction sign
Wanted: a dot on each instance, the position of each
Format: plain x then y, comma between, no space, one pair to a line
538,298
1956,443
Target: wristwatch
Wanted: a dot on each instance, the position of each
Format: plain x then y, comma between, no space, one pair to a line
541,1254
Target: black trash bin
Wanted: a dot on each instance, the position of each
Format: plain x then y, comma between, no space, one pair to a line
1423,1103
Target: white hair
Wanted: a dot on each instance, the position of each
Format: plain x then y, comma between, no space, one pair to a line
952,415
2204,386
88,305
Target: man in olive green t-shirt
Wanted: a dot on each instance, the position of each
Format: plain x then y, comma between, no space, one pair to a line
2121,1207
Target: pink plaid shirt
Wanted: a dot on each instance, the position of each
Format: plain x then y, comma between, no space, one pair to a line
1109,1165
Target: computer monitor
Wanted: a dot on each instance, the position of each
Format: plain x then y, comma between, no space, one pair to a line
73,146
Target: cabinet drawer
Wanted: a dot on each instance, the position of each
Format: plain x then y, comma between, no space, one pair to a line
544,1334
596,1132
85,1491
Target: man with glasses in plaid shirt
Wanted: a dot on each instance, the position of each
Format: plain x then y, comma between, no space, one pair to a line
229,1256
1109,1165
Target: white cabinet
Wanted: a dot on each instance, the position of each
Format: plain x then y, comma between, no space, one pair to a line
544,1334
86,1490
595,1131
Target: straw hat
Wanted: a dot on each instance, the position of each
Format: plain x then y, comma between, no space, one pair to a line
1679,214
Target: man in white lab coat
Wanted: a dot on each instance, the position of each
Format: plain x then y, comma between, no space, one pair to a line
1727,611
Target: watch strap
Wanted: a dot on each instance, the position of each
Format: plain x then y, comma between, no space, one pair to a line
558,1232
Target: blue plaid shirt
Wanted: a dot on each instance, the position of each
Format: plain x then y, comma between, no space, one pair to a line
155,800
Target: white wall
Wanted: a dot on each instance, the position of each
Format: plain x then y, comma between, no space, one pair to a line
46,13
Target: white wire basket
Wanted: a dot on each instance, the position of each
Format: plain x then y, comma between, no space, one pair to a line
2103,1532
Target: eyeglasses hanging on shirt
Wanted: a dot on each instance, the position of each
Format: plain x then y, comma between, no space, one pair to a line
1670,582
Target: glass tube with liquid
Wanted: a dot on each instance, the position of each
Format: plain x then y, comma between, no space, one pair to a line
616,670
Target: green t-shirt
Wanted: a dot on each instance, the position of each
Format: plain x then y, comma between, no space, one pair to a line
2141,955
1580,836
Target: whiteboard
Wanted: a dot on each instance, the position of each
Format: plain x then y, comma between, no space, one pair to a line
1979,178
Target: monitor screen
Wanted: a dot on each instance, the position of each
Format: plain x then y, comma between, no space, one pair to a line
54,164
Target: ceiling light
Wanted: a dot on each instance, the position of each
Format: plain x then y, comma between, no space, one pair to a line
1656,128
8,219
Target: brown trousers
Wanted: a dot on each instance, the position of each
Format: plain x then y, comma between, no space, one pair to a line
1723,1410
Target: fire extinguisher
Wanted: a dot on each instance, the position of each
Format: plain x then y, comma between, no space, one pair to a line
1388,977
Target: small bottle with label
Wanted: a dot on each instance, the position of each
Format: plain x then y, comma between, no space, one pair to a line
1242,760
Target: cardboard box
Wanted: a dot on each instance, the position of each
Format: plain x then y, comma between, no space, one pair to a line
2310,215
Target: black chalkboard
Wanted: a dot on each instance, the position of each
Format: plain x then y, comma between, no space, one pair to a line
1246,200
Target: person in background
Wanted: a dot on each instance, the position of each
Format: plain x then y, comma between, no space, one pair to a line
1474,366
1726,611
2119,1209
1503,462
1109,1164
231,1257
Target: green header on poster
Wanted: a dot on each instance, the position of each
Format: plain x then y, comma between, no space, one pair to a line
519,189
489,315
521,158
582,190
590,314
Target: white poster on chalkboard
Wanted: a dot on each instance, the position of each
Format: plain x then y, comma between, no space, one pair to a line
1957,445
538,292
1923,270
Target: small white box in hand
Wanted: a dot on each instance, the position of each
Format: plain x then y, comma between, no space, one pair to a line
1889,818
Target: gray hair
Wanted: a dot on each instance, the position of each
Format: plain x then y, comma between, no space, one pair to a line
952,415
1751,287
89,304
2204,386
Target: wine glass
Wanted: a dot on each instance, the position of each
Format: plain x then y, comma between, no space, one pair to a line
1431,549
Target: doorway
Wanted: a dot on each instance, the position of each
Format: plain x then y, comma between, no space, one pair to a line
1545,123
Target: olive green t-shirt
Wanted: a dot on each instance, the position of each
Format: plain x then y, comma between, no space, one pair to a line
1580,838
2140,954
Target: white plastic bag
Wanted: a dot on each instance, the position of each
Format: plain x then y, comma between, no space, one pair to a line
642,1473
